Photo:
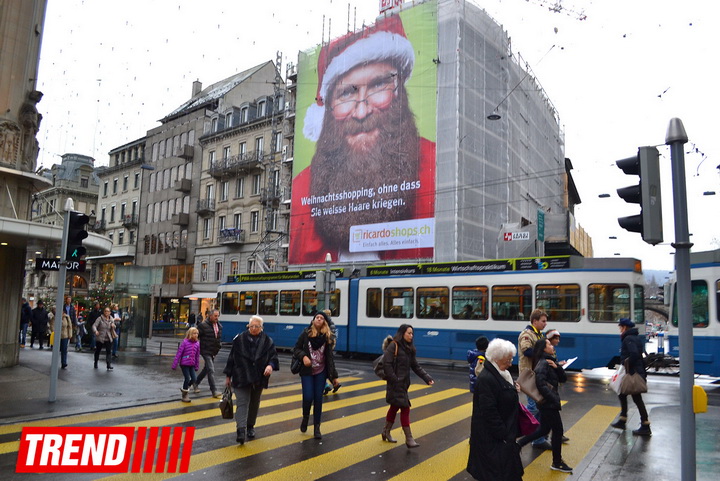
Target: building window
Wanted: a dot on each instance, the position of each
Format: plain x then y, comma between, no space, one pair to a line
244,114
131,239
239,187
237,220
251,265
242,148
105,188
112,213
224,190
254,221
277,142
226,153
110,236
210,191
234,267
259,145
123,209
115,185
228,120
136,183
214,125
207,228
84,182
125,182
211,159
221,222
218,270
261,109
121,237
134,207
256,184
203,272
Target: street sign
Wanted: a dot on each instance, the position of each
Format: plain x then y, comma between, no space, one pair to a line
541,225
45,264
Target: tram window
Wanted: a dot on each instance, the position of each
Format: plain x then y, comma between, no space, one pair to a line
290,303
268,303
310,302
699,303
229,303
717,300
639,305
373,302
511,303
248,303
560,301
334,303
398,302
608,302
433,302
470,302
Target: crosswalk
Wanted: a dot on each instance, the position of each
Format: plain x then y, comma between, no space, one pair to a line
351,447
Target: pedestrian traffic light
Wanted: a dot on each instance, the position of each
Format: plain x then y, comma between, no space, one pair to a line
75,234
647,193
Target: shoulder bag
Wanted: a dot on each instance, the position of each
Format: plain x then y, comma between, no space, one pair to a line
378,365
226,403
632,383
526,380
295,365
527,423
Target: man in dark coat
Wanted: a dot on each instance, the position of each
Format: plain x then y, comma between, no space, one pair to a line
494,454
39,321
90,320
25,316
210,331
252,360
631,352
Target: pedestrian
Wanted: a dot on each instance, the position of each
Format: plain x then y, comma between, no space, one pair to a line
329,387
66,331
314,348
104,330
399,357
548,376
191,319
25,316
631,352
553,335
476,359
39,319
95,313
115,312
210,343
526,341
252,360
188,357
80,332
494,454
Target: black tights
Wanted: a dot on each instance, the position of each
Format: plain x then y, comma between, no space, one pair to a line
549,421
98,347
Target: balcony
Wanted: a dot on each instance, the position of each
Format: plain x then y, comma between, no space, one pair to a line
186,152
183,185
271,196
241,164
99,226
231,236
179,253
181,219
130,220
205,207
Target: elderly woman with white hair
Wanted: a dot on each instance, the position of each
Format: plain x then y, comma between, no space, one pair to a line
494,454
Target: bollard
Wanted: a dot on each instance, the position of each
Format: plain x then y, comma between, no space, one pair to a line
661,342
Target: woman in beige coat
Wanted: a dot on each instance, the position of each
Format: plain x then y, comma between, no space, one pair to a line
104,330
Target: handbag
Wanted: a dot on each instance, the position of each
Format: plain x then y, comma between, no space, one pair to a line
226,404
617,379
527,423
526,380
379,366
633,384
295,365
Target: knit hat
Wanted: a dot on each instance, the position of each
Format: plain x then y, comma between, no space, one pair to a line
552,333
384,40
626,322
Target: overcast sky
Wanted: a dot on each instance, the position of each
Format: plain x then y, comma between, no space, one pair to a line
616,71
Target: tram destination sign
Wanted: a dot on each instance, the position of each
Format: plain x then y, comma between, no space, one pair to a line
472,267
46,264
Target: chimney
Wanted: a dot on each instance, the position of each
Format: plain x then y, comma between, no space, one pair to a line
197,87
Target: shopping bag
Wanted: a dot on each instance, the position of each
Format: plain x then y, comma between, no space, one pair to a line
617,378
226,403
633,384
526,380
527,423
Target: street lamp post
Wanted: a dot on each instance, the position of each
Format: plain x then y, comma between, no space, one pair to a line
326,287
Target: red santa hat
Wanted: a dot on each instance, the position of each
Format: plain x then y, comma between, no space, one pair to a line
384,40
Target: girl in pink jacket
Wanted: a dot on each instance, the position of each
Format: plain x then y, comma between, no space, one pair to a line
188,357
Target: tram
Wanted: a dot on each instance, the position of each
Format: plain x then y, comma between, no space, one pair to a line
449,304
705,302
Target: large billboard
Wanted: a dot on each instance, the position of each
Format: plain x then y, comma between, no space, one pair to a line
364,159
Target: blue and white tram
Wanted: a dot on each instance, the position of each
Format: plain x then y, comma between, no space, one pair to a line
450,304
705,292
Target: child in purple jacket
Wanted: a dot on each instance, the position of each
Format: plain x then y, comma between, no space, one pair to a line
188,357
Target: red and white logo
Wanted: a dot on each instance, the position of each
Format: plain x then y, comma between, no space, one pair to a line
105,450
507,236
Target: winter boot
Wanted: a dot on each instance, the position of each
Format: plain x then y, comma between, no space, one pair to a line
251,432
386,433
643,430
240,436
304,423
96,364
317,434
185,395
620,423
409,441
195,388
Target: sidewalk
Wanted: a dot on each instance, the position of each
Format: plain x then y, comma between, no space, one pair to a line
138,378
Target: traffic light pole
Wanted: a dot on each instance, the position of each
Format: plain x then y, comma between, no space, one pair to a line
676,139
57,322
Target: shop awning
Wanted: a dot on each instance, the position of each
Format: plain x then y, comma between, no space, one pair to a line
202,295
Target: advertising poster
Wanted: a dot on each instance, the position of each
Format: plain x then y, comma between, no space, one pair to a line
364,163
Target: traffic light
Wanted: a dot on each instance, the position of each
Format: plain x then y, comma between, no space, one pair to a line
647,193
320,282
75,234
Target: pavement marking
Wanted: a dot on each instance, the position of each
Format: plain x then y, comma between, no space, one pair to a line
444,465
583,436
338,459
234,452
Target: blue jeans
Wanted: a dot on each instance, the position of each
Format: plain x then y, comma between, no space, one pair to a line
532,407
312,395
22,335
209,371
63,351
189,373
